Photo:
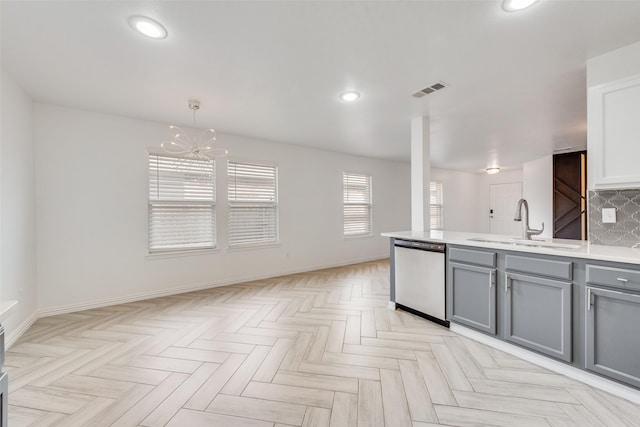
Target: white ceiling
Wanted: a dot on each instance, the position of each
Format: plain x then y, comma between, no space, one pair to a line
273,70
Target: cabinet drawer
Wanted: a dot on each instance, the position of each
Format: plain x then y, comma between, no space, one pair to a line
614,277
469,256
540,267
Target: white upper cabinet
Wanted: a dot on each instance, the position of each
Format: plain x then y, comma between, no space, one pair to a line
614,134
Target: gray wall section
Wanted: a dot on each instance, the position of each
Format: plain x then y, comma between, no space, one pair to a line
626,231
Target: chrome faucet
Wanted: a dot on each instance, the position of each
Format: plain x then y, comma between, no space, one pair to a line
526,231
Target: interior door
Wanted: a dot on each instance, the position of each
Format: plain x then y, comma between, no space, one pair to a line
570,195
503,200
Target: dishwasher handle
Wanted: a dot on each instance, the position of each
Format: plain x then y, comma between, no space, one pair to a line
422,246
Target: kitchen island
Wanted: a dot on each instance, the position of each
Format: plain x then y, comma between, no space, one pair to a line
567,305
557,247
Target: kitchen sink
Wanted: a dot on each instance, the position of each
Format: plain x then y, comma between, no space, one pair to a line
527,243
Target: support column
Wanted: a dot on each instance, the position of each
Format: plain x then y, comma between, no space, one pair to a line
420,174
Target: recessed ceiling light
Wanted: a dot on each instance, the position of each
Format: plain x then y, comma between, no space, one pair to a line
349,96
493,171
515,5
148,27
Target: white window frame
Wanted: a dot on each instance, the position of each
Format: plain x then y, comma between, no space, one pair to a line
265,200
165,193
351,186
436,205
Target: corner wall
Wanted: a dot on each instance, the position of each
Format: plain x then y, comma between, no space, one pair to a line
537,188
459,198
92,212
17,208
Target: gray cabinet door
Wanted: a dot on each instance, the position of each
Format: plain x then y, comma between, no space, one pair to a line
4,399
471,296
538,314
613,342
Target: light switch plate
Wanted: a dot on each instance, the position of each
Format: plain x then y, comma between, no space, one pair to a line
608,215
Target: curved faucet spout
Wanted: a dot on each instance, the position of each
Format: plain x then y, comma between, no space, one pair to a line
527,232
518,215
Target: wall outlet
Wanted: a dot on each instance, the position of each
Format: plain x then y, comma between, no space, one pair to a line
608,215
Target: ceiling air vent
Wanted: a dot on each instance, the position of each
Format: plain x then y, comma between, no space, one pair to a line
429,89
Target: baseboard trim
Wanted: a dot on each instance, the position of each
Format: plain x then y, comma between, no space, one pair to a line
593,380
20,330
72,308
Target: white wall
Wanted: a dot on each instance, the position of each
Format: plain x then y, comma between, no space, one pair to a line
482,187
537,188
92,212
17,207
614,65
459,199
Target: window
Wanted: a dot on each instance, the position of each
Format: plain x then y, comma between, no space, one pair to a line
435,205
253,204
357,204
181,204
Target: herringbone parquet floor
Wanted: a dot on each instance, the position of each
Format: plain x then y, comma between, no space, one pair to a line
314,349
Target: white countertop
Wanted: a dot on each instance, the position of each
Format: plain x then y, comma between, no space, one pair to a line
583,249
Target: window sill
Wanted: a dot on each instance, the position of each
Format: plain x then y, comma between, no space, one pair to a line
177,254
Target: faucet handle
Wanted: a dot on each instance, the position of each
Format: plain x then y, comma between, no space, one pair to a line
535,232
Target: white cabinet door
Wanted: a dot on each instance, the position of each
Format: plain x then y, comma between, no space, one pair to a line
614,134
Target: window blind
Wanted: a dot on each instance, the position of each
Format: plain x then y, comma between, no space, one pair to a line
357,204
435,207
253,204
181,204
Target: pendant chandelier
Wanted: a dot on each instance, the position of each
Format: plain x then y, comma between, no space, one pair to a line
183,145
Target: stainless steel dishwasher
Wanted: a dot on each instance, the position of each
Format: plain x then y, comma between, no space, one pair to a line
419,279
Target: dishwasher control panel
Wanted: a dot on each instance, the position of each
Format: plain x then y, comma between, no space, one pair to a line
423,246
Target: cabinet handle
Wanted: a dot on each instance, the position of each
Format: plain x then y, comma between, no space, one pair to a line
506,283
589,304
622,279
490,279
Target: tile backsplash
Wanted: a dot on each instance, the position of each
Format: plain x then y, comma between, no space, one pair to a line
626,230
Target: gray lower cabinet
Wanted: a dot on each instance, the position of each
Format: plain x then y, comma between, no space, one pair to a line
613,341
4,399
472,296
538,314
528,300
